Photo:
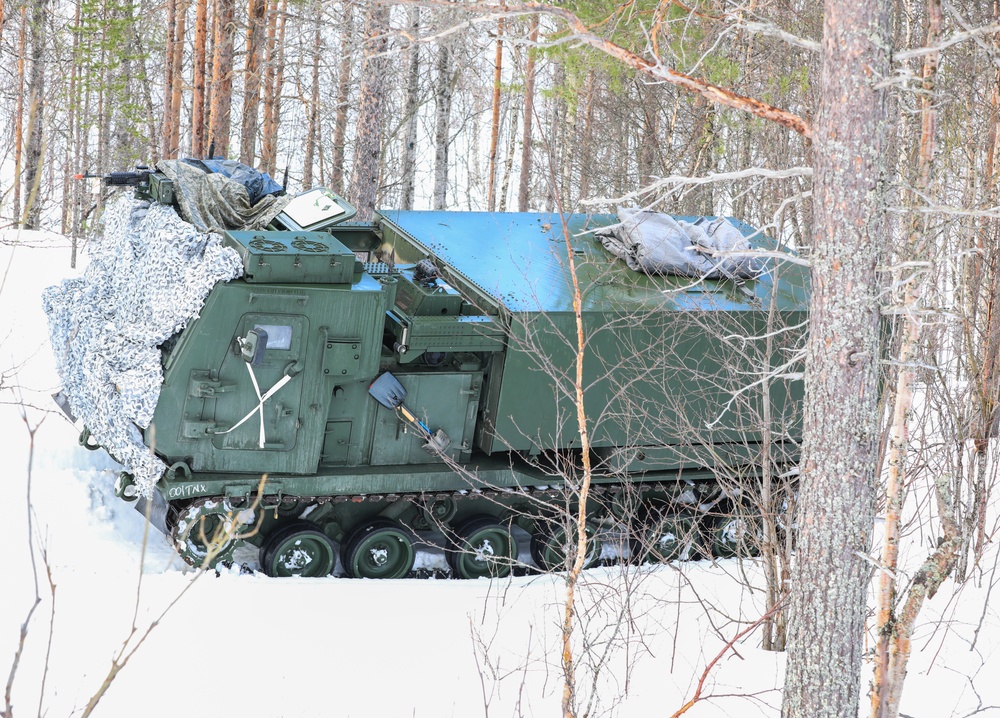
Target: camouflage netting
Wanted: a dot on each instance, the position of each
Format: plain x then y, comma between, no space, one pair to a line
149,275
656,243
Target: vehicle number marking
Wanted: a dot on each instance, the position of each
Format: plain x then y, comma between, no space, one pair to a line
186,490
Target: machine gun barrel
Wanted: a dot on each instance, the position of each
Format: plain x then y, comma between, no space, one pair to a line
139,177
125,179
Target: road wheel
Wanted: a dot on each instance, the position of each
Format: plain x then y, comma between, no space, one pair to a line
666,535
482,547
298,549
379,549
551,544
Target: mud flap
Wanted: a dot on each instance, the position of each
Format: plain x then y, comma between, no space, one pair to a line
156,512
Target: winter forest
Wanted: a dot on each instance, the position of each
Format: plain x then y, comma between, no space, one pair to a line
862,134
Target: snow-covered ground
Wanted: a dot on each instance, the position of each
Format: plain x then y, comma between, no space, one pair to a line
253,646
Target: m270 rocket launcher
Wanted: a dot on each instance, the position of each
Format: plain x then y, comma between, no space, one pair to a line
405,382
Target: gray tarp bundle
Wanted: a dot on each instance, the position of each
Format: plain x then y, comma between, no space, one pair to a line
149,275
656,243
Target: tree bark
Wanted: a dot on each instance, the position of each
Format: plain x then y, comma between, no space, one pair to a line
222,77
313,111
984,309
34,156
256,12
588,135
410,110
371,114
19,114
198,79
508,166
69,161
442,127
174,139
840,413
343,97
529,109
885,692
495,123
279,84
168,78
273,80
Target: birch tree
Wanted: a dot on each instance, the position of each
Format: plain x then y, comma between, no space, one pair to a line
36,114
371,113
443,86
410,109
342,100
312,132
524,183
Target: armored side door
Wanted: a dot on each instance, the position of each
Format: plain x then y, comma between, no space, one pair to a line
255,408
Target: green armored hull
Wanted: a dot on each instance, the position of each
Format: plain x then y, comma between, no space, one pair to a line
278,431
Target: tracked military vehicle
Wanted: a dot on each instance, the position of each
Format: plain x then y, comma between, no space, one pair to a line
349,392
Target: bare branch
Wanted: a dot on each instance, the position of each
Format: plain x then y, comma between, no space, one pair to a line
766,28
579,32
954,39
704,676
684,180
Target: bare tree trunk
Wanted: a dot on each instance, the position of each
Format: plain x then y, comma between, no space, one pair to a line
81,151
529,110
371,114
442,128
495,124
152,151
568,146
313,129
222,76
410,110
556,107
588,136
885,691
210,50
984,308
19,114
272,89
840,422
772,557
343,94
198,79
582,485
178,81
650,137
256,11
36,114
508,167
66,226
168,79
279,84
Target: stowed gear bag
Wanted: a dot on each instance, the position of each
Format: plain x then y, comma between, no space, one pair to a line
656,243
